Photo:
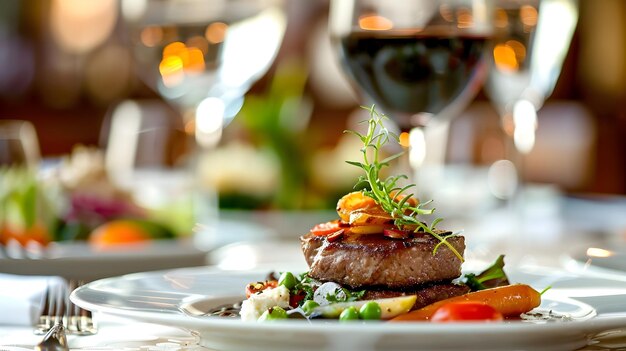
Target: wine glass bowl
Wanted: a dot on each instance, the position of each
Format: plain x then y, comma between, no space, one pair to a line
195,51
415,59
532,40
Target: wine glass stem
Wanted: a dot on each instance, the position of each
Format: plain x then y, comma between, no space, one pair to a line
523,139
427,156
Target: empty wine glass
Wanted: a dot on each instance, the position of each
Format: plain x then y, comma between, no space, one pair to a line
420,61
203,56
533,37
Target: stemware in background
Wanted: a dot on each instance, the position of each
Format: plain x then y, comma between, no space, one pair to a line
145,146
533,37
19,145
203,56
420,61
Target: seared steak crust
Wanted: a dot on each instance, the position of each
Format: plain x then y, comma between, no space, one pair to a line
426,294
375,260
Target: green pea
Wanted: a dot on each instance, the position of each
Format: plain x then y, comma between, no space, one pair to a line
349,314
309,306
370,311
288,280
273,313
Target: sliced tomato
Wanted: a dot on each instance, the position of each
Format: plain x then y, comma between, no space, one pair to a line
327,228
295,299
466,311
257,287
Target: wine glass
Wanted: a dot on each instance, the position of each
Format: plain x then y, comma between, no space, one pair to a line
203,56
533,37
420,61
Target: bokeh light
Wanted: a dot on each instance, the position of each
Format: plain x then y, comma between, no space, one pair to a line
79,26
180,60
216,32
504,58
528,15
501,19
151,36
375,22
464,18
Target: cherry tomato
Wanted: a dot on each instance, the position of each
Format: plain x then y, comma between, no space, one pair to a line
295,299
327,228
257,287
466,311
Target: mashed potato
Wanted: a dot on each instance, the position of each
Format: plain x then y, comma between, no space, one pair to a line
256,304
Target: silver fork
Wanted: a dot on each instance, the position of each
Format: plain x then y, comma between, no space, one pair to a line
54,339
78,320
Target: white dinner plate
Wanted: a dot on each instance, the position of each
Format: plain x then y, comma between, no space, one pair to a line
589,305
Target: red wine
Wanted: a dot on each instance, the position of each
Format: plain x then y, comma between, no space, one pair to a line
411,73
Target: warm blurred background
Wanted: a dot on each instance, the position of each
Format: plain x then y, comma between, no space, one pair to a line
67,66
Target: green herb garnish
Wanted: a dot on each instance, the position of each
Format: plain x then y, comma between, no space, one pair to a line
388,193
307,285
345,295
491,277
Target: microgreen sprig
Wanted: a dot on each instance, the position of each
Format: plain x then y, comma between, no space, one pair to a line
387,193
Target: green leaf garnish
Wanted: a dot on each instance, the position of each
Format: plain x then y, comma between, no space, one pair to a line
387,193
491,277
347,296
307,285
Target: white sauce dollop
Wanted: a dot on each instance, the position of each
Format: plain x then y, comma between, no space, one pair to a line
321,294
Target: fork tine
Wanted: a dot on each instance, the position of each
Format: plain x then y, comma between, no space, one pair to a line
52,307
57,308
80,321
44,323
61,303
54,338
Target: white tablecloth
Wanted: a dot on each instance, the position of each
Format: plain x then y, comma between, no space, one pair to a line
114,334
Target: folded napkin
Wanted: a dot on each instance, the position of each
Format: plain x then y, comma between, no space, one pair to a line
21,297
